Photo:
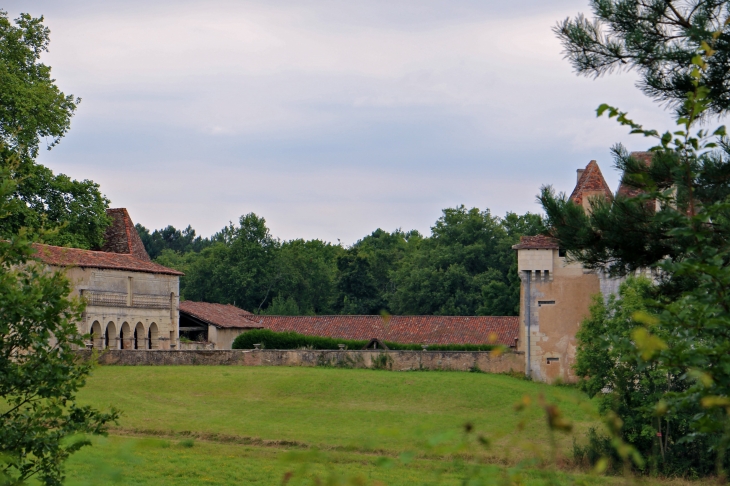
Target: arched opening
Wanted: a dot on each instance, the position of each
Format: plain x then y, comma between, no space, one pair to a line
110,336
139,336
97,340
152,336
125,336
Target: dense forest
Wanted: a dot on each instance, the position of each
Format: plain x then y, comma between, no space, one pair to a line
465,267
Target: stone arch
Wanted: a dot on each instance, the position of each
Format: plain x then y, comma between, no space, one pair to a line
110,336
140,337
125,336
153,336
97,339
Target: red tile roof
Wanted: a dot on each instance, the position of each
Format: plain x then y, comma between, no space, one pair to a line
219,315
539,242
591,181
629,191
75,257
122,237
401,329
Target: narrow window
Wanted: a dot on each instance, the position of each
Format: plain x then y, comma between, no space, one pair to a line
552,360
541,303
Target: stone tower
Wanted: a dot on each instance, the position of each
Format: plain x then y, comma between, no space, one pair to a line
556,294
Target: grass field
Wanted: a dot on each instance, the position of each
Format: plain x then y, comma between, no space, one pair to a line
253,425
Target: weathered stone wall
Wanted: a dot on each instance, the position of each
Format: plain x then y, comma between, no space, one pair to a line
393,360
123,302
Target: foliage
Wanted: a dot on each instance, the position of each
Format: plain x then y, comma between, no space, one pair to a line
40,419
611,369
172,239
291,340
239,268
466,267
675,221
33,108
658,39
31,105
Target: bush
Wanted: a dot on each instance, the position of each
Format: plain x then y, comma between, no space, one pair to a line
292,340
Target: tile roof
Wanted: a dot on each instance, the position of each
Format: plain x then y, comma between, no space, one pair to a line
591,182
219,315
539,242
74,257
122,237
629,191
401,329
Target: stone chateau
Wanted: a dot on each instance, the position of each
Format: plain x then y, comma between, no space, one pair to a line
556,294
132,303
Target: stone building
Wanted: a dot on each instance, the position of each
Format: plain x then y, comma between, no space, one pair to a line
216,325
219,324
556,294
132,303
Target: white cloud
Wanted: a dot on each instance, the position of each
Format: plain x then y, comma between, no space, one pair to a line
328,118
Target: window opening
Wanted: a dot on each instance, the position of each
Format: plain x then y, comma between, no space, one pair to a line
545,302
552,360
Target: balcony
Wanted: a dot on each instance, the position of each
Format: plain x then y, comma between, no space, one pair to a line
118,299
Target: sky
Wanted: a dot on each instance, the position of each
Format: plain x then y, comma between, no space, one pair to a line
328,118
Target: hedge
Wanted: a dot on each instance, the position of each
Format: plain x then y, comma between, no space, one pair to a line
292,340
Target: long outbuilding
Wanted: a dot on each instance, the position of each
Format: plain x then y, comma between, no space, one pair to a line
225,322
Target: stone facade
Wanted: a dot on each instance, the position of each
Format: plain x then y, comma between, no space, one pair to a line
391,360
132,303
127,310
556,294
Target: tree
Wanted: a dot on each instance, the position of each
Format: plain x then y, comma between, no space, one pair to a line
240,267
32,108
40,371
359,293
170,238
658,39
673,216
308,277
467,267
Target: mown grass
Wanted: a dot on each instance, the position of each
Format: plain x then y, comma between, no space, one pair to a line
253,425
119,460
363,410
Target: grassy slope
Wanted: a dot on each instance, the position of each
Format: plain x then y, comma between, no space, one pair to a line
345,413
360,409
138,462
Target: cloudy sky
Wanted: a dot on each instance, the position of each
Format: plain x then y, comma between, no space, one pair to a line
328,118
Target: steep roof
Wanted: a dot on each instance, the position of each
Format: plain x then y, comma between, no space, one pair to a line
539,242
219,315
590,183
122,250
74,257
122,237
401,329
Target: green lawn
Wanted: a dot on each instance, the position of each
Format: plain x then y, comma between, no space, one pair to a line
326,408
253,424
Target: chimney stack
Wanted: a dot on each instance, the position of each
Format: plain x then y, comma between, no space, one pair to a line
580,174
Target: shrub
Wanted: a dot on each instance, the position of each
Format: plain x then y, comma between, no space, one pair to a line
292,340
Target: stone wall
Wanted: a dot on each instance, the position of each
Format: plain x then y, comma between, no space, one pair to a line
393,360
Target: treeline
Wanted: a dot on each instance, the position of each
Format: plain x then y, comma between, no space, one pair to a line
465,267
